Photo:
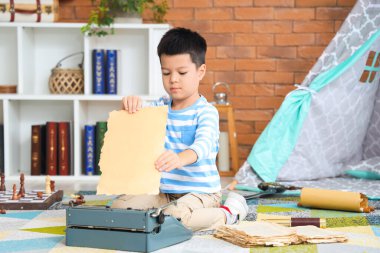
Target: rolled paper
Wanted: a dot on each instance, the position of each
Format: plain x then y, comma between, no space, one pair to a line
292,221
334,200
224,152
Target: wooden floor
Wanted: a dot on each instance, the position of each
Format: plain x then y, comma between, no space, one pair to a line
70,187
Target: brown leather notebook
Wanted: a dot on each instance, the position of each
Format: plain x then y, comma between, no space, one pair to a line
51,148
38,150
64,148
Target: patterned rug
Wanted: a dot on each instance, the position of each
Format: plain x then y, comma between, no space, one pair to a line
44,231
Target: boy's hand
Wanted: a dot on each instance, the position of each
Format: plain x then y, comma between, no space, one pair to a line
168,161
132,104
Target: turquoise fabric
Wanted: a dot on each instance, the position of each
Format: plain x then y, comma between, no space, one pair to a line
279,138
363,174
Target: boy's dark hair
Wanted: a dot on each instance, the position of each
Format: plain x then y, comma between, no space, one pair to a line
183,41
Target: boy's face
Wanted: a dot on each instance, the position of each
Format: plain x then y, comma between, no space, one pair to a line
181,78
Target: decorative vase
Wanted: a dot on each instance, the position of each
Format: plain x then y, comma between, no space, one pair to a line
127,17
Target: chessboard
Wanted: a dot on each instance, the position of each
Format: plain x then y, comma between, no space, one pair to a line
30,201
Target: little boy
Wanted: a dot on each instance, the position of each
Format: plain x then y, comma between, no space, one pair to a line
189,173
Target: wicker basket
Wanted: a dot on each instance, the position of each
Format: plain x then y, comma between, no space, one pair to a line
67,80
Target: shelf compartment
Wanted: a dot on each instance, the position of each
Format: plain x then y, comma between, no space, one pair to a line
132,56
22,114
42,48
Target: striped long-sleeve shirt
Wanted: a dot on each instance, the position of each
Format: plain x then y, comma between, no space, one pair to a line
197,128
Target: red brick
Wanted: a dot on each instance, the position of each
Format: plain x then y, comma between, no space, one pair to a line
254,13
332,13
313,26
208,79
294,39
272,26
223,39
276,52
299,77
260,126
180,14
274,77
275,3
211,53
252,64
232,26
253,90
283,90
244,127
220,64
349,3
198,26
249,115
232,3
295,65
206,90
315,3
233,77
236,52
268,102
76,3
323,38
253,39
213,13
309,51
242,102
294,13
247,139
338,24
192,4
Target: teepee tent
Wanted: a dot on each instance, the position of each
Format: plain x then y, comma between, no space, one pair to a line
332,120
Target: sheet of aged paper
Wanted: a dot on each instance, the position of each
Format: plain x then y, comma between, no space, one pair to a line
132,144
335,200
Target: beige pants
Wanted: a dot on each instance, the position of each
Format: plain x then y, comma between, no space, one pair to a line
195,211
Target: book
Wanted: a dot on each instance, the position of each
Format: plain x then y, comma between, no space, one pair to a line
51,148
101,129
89,149
98,71
1,148
38,150
64,148
111,71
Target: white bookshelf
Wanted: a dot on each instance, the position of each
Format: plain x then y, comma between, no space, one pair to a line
28,52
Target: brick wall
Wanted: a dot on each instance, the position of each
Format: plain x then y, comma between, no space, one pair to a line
260,47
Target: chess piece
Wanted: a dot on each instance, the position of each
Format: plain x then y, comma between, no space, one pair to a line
21,192
14,195
52,185
39,195
47,185
2,186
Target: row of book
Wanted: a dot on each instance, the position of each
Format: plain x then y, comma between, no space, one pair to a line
51,149
93,143
104,70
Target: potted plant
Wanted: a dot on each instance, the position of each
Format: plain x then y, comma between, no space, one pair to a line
108,10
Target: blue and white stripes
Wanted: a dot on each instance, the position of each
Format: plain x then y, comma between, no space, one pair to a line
196,128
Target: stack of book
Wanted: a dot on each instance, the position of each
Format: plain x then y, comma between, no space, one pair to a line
93,143
51,149
104,70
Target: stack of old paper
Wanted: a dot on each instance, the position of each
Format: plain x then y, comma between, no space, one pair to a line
261,233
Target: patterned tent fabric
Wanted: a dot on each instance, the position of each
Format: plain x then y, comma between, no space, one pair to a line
342,122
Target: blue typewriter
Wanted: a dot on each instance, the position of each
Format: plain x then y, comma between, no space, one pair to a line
123,229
